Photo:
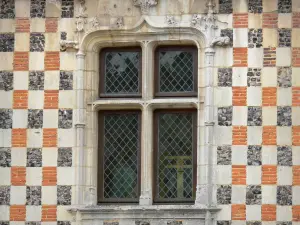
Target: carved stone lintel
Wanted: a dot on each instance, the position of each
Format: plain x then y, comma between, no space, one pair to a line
64,45
170,20
145,5
220,41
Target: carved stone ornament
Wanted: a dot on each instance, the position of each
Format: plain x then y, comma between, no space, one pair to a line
170,20
207,21
81,17
120,22
64,45
145,5
94,23
220,41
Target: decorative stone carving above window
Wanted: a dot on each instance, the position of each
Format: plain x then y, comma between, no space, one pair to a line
145,5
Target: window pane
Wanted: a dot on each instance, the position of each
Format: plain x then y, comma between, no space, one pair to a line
121,146
176,71
121,75
175,156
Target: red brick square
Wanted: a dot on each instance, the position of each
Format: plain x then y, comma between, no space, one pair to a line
51,99
270,20
17,213
51,25
268,212
22,25
239,174
269,174
240,57
238,212
49,137
19,137
240,20
239,135
296,20
269,57
269,96
49,176
269,135
239,96
49,213
21,61
20,99
18,175
296,57
52,61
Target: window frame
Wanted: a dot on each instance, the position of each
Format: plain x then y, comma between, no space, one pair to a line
102,53
156,113
190,48
100,169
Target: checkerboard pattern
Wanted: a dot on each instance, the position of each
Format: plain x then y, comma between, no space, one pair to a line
258,130
36,112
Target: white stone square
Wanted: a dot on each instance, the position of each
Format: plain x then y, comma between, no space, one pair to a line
21,80
239,115
20,118
35,99
240,37
284,175
296,77
16,222
67,25
51,80
224,57
239,76
49,156
53,10
296,155
5,138
270,5
253,175
223,174
49,195
296,116
254,135
67,99
240,6
50,118
17,195
34,176
269,77
224,213
295,6
269,116
255,20
63,214
238,194
36,60
18,156
284,135
284,213
284,20
296,195
5,175
52,42
223,135
255,57
295,37
283,57
269,155
6,99
253,212
22,41
67,60
284,96
239,154
22,8
254,96
269,193
272,37
66,137
33,213
8,25
6,59
4,212
223,96
37,25
34,138
65,176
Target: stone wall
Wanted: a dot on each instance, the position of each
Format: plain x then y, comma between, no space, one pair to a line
257,96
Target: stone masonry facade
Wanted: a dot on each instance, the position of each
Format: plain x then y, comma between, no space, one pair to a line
257,125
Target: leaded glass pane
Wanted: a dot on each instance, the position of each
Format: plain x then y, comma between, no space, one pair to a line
122,72
175,156
176,71
121,145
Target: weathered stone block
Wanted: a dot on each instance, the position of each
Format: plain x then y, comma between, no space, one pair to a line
253,195
34,157
64,158
254,155
224,194
63,195
33,195
284,156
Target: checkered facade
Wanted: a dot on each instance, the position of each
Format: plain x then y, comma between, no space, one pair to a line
257,95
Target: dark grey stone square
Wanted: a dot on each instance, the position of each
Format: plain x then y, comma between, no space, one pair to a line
225,116
284,37
255,6
225,77
33,195
6,80
253,195
37,8
5,157
35,118
4,222
224,194
36,80
284,6
254,116
228,33
284,195
7,9
6,118
32,223
63,36
284,156
284,223
65,117
254,77
174,222
63,223
63,195
223,222
224,155
255,38
253,223
4,195
7,42
37,42
225,6
142,222
34,157
66,80
254,155
110,223
64,158
284,116
284,77
67,8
